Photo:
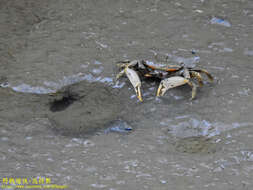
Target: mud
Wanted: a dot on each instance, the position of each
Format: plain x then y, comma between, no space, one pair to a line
175,143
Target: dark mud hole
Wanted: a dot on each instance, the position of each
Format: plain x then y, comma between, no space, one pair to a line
63,103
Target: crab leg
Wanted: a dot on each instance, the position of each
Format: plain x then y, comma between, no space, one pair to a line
198,76
173,82
135,81
205,72
120,74
194,89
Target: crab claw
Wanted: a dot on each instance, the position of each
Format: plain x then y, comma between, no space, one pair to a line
173,82
135,81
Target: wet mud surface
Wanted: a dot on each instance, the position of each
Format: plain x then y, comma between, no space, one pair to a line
94,133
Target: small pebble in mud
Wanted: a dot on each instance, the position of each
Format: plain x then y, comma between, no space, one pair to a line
248,52
220,21
3,81
118,126
163,181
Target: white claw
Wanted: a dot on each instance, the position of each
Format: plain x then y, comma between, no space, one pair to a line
172,82
131,75
135,81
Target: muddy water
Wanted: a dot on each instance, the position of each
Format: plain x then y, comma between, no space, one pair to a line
171,142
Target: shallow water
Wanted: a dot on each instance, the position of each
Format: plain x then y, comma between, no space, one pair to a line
174,143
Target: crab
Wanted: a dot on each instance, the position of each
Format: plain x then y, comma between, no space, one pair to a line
136,69
171,76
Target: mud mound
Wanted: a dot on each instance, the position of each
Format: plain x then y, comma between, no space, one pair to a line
83,107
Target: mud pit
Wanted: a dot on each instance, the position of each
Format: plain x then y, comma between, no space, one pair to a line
83,108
